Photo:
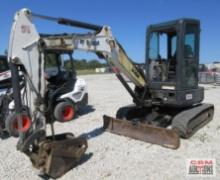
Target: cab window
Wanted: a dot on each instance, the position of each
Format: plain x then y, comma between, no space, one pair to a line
189,44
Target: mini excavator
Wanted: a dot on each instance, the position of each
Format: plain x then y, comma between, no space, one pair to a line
167,101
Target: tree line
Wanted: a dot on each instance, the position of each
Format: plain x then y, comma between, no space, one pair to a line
50,60
84,64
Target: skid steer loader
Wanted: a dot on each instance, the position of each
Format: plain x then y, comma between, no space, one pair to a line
167,98
73,100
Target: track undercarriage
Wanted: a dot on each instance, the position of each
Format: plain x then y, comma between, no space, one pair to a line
159,125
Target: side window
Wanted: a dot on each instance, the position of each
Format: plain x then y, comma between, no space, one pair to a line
154,46
189,45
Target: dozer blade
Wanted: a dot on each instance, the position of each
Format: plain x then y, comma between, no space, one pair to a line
57,155
165,137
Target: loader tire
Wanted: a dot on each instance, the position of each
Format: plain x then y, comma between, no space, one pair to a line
11,124
64,111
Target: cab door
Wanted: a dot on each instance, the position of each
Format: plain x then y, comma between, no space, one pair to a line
190,55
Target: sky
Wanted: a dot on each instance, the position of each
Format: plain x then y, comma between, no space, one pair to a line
128,20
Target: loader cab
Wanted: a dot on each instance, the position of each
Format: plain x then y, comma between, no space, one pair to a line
59,68
172,60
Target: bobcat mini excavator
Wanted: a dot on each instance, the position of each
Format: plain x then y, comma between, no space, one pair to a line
167,98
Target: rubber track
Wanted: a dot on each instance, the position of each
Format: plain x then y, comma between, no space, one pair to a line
190,121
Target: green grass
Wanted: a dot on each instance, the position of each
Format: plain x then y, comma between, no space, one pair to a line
86,72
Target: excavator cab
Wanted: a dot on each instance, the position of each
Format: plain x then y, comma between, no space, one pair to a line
172,59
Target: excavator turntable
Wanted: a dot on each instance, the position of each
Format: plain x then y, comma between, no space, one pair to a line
167,101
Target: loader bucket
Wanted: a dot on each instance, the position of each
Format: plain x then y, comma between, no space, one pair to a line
141,131
57,155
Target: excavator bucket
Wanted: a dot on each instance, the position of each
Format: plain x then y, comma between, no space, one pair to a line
58,154
141,131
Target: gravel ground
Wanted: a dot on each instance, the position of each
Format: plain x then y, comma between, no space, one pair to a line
115,157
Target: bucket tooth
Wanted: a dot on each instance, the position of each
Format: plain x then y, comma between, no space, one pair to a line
141,131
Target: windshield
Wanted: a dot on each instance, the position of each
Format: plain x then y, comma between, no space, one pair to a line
52,60
57,64
60,61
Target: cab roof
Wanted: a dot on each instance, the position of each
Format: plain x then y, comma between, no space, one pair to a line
173,23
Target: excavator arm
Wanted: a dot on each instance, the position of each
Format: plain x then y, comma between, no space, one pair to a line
101,42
